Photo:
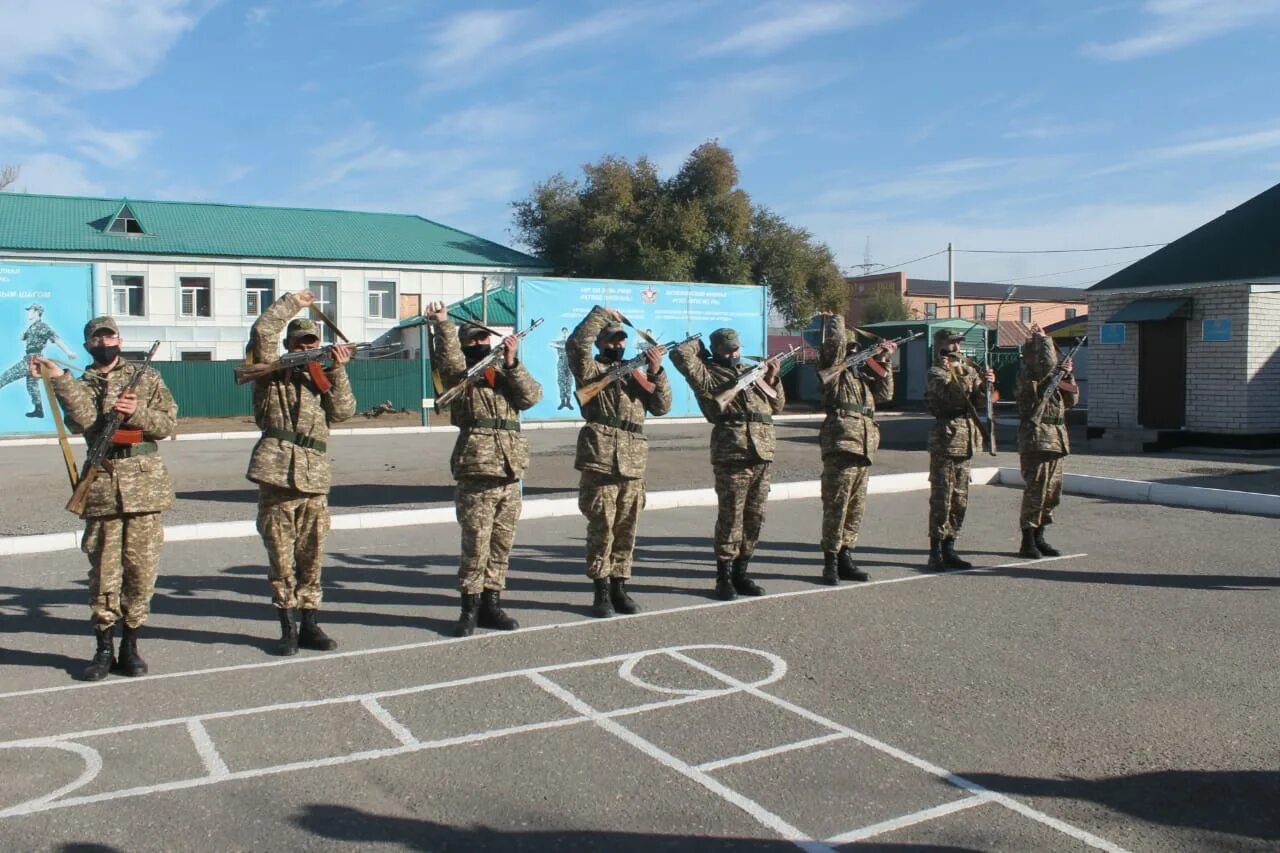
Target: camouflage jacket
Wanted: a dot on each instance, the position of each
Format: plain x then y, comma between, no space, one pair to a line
953,393
289,402
1049,435
850,400
136,484
734,439
482,449
603,445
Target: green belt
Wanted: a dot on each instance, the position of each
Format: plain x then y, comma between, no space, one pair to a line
852,410
295,438
617,423
750,417
1051,421
494,423
124,451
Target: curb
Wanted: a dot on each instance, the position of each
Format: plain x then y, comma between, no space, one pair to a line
1165,494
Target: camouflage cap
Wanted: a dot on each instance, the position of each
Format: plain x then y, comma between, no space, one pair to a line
943,335
100,323
611,331
36,306
303,327
469,332
727,337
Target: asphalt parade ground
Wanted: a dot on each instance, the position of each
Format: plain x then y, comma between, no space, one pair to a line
1121,697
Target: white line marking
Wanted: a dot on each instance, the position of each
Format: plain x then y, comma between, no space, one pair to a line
751,807
92,767
583,622
907,820
711,766
206,750
915,761
393,725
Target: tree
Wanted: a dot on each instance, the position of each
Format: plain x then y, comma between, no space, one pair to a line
885,303
623,221
8,175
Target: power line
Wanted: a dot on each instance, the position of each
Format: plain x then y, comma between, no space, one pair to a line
1059,272
913,260
1056,251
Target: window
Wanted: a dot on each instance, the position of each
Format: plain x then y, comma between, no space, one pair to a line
930,310
194,297
326,294
259,293
979,312
125,223
1024,313
1071,313
196,355
382,300
127,296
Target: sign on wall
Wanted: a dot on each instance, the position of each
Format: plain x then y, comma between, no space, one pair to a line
1112,333
1216,330
43,309
665,310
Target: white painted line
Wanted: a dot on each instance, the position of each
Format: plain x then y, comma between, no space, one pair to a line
711,766
92,767
907,820
392,725
208,753
498,635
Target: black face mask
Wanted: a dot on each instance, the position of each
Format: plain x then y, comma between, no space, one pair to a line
475,352
104,354
728,360
612,353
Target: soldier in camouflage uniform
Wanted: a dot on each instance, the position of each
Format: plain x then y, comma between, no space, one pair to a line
489,459
742,443
1043,445
612,453
35,338
123,532
564,375
294,409
954,392
848,439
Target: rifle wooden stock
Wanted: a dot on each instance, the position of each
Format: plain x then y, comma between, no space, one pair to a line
618,372
80,496
858,359
725,395
252,372
476,370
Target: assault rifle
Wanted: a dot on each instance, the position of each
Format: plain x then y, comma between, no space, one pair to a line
297,358
476,371
1052,383
859,358
724,396
96,455
622,370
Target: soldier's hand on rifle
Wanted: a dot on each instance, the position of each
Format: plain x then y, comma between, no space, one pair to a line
509,344
342,352
437,311
888,347
1067,364
39,364
126,404
1036,330
306,297
989,375
654,356
771,368
615,315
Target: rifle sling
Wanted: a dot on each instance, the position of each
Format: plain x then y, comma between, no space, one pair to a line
295,438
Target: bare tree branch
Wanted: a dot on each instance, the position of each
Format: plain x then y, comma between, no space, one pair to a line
8,175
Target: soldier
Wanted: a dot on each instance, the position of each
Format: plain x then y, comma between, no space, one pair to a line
742,444
294,409
849,439
1043,444
35,338
612,452
953,394
488,462
564,375
122,532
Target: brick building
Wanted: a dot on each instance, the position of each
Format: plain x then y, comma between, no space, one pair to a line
1184,343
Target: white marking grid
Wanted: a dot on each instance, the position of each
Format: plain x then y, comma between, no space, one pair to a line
578,712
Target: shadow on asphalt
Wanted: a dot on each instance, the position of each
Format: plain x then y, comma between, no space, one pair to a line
364,494
1221,583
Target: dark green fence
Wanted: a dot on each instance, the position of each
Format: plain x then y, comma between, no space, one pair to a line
207,389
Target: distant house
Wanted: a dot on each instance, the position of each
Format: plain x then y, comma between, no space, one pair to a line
1184,343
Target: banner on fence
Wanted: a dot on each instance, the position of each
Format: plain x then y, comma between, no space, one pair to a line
665,310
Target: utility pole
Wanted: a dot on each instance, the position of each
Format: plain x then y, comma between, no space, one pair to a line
951,283
484,299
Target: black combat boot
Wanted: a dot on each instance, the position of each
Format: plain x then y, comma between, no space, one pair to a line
950,558
742,584
847,568
935,555
311,637
622,602
491,613
467,618
602,604
104,659
830,576
1029,549
129,662
724,581
288,633
1044,547
37,410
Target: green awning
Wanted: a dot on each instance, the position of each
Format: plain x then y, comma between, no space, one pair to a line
1153,310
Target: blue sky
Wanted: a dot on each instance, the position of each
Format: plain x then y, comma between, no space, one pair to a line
1021,125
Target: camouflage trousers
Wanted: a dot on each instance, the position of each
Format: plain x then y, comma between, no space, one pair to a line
21,370
487,510
124,557
742,491
1042,489
948,494
844,499
293,526
612,508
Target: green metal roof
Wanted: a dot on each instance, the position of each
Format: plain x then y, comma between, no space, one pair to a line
502,308
1152,310
47,223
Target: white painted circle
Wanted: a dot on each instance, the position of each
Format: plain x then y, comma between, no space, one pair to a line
626,671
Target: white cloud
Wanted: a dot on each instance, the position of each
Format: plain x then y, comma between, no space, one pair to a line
15,129
469,40
1263,140
53,174
727,105
1173,24
111,147
257,17
486,122
776,26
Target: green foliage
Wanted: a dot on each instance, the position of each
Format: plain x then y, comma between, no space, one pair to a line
885,304
623,221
